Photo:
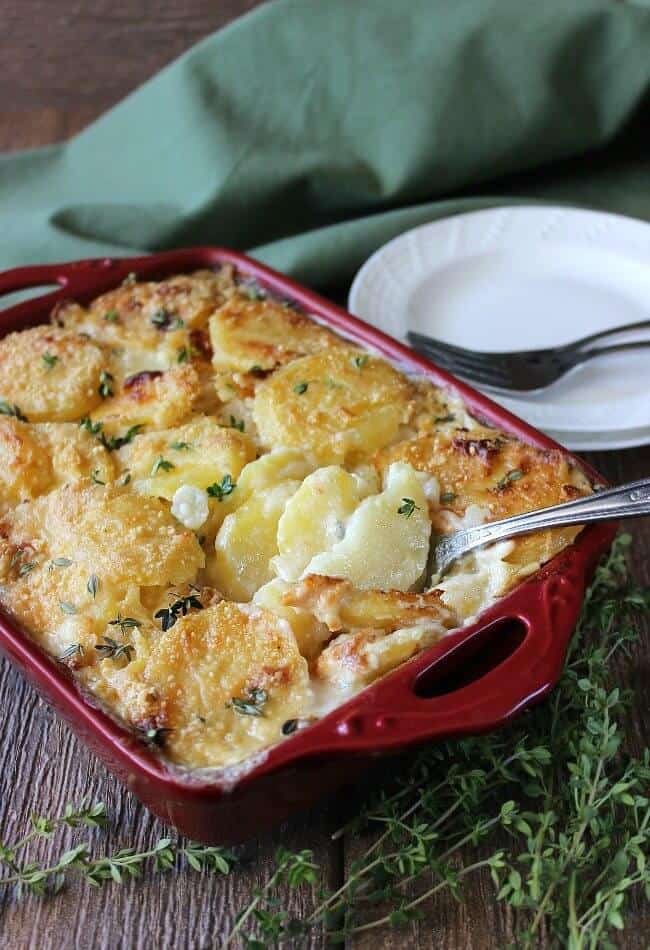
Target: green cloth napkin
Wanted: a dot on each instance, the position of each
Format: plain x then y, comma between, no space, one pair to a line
311,131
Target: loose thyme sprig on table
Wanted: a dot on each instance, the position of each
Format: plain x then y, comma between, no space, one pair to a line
48,879
573,805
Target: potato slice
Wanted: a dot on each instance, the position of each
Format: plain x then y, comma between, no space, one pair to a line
35,459
353,660
263,334
246,542
226,678
53,602
341,606
339,405
50,373
266,472
148,324
198,453
315,518
25,470
154,399
386,541
74,453
309,632
113,532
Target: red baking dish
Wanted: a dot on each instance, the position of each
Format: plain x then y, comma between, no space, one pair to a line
472,681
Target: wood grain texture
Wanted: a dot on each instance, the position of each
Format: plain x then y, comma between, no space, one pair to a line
63,64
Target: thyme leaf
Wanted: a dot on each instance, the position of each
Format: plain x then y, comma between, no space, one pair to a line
252,704
124,623
111,649
222,489
106,380
235,423
407,507
161,464
513,476
74,649
114,442
179,608
11,409
92,427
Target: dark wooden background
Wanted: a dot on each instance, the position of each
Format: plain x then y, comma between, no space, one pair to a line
62,63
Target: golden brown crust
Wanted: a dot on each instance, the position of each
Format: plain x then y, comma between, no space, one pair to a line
115,533
224,653
155,399
341,606
335,404
35,459
261,335
51,374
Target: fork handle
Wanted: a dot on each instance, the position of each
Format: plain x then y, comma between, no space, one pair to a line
626,501
603,334
581,356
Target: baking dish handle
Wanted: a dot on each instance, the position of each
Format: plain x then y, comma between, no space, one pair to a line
59,282
546,609
22,278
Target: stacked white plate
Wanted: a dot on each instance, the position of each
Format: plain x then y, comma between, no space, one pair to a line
516,278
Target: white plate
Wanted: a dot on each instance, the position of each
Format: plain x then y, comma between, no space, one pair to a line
596,441
525,277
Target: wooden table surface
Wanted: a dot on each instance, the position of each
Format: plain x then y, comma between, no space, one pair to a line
62,64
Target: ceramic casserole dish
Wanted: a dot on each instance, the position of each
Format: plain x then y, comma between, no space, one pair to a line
471,681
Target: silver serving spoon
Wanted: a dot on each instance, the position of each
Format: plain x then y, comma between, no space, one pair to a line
626,501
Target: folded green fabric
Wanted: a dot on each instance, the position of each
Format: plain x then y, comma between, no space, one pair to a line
311,132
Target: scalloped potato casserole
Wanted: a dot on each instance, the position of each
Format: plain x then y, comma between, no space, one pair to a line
217,513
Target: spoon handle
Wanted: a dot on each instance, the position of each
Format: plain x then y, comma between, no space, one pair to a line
625,501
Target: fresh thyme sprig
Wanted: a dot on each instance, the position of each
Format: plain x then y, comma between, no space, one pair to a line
110,442
179,608
252,704
11,409
574,806
222,489
46,879
110,649
106,381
